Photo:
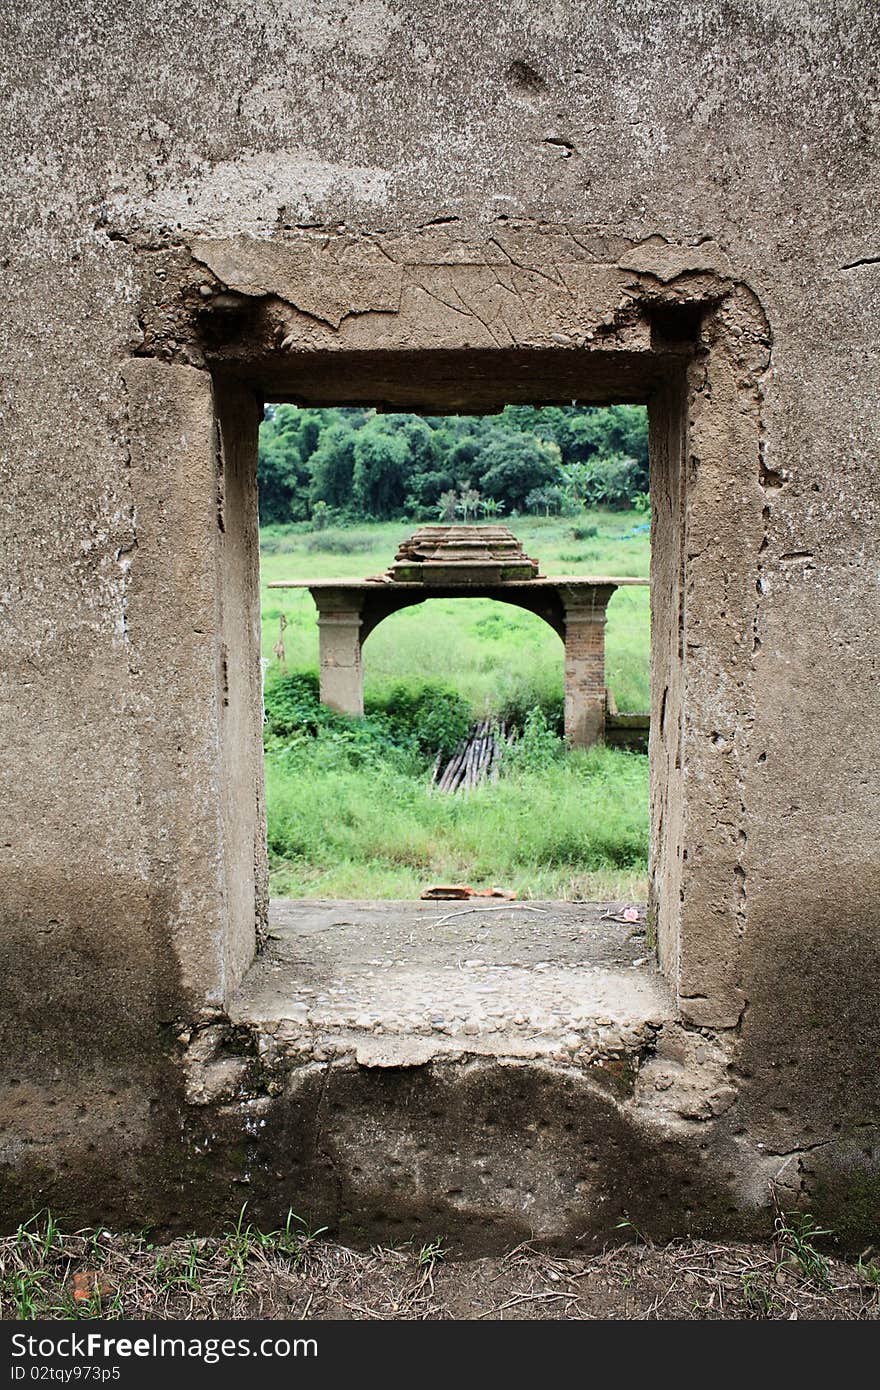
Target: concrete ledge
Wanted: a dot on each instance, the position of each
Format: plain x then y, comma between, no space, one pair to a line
407,1069
401,982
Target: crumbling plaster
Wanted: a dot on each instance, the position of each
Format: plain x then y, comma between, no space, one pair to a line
736,143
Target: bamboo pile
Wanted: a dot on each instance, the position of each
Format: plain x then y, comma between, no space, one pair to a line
476,759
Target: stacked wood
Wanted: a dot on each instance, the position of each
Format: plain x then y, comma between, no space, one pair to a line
476,759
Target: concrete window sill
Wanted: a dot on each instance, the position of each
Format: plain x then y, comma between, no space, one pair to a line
399,984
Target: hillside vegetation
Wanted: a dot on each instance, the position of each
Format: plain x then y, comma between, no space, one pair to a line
352,465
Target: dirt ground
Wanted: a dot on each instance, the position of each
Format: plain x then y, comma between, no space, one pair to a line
292,1274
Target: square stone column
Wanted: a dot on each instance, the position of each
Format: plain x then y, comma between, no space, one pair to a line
339,628
585,611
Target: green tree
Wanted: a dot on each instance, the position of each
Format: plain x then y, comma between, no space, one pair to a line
602,432
447,505
512,465
332,467
426,489
468,501
357,461
421,441
547,499
381,468
609,481
282,470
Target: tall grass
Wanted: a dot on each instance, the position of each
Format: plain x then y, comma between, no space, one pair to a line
576,829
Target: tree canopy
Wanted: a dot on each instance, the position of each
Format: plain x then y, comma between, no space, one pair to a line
356,464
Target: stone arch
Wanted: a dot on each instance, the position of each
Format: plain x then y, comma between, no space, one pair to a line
548,609
575,608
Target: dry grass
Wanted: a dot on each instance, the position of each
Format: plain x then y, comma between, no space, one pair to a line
296,1274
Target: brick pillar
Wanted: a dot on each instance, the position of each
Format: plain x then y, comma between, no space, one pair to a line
339,628
585,663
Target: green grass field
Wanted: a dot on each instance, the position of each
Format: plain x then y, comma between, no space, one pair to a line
562,825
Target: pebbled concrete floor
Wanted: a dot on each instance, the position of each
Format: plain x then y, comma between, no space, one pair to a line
408,981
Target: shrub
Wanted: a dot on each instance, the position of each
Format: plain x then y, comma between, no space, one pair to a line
610,480
538,747
408,723
291,703
432,713
526,693
338,542
296,719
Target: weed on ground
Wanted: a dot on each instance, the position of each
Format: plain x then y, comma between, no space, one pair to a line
295,1272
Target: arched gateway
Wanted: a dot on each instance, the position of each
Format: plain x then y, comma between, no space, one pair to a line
466,562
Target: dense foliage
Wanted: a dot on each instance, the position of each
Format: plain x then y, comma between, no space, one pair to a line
409,720
340,464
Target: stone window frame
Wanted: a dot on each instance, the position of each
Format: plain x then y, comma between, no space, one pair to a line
432,320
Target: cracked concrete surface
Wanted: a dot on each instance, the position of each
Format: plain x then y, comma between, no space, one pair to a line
401,983
493,1069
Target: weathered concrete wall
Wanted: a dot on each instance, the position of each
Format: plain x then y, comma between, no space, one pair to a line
667,446
732,143
246,903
